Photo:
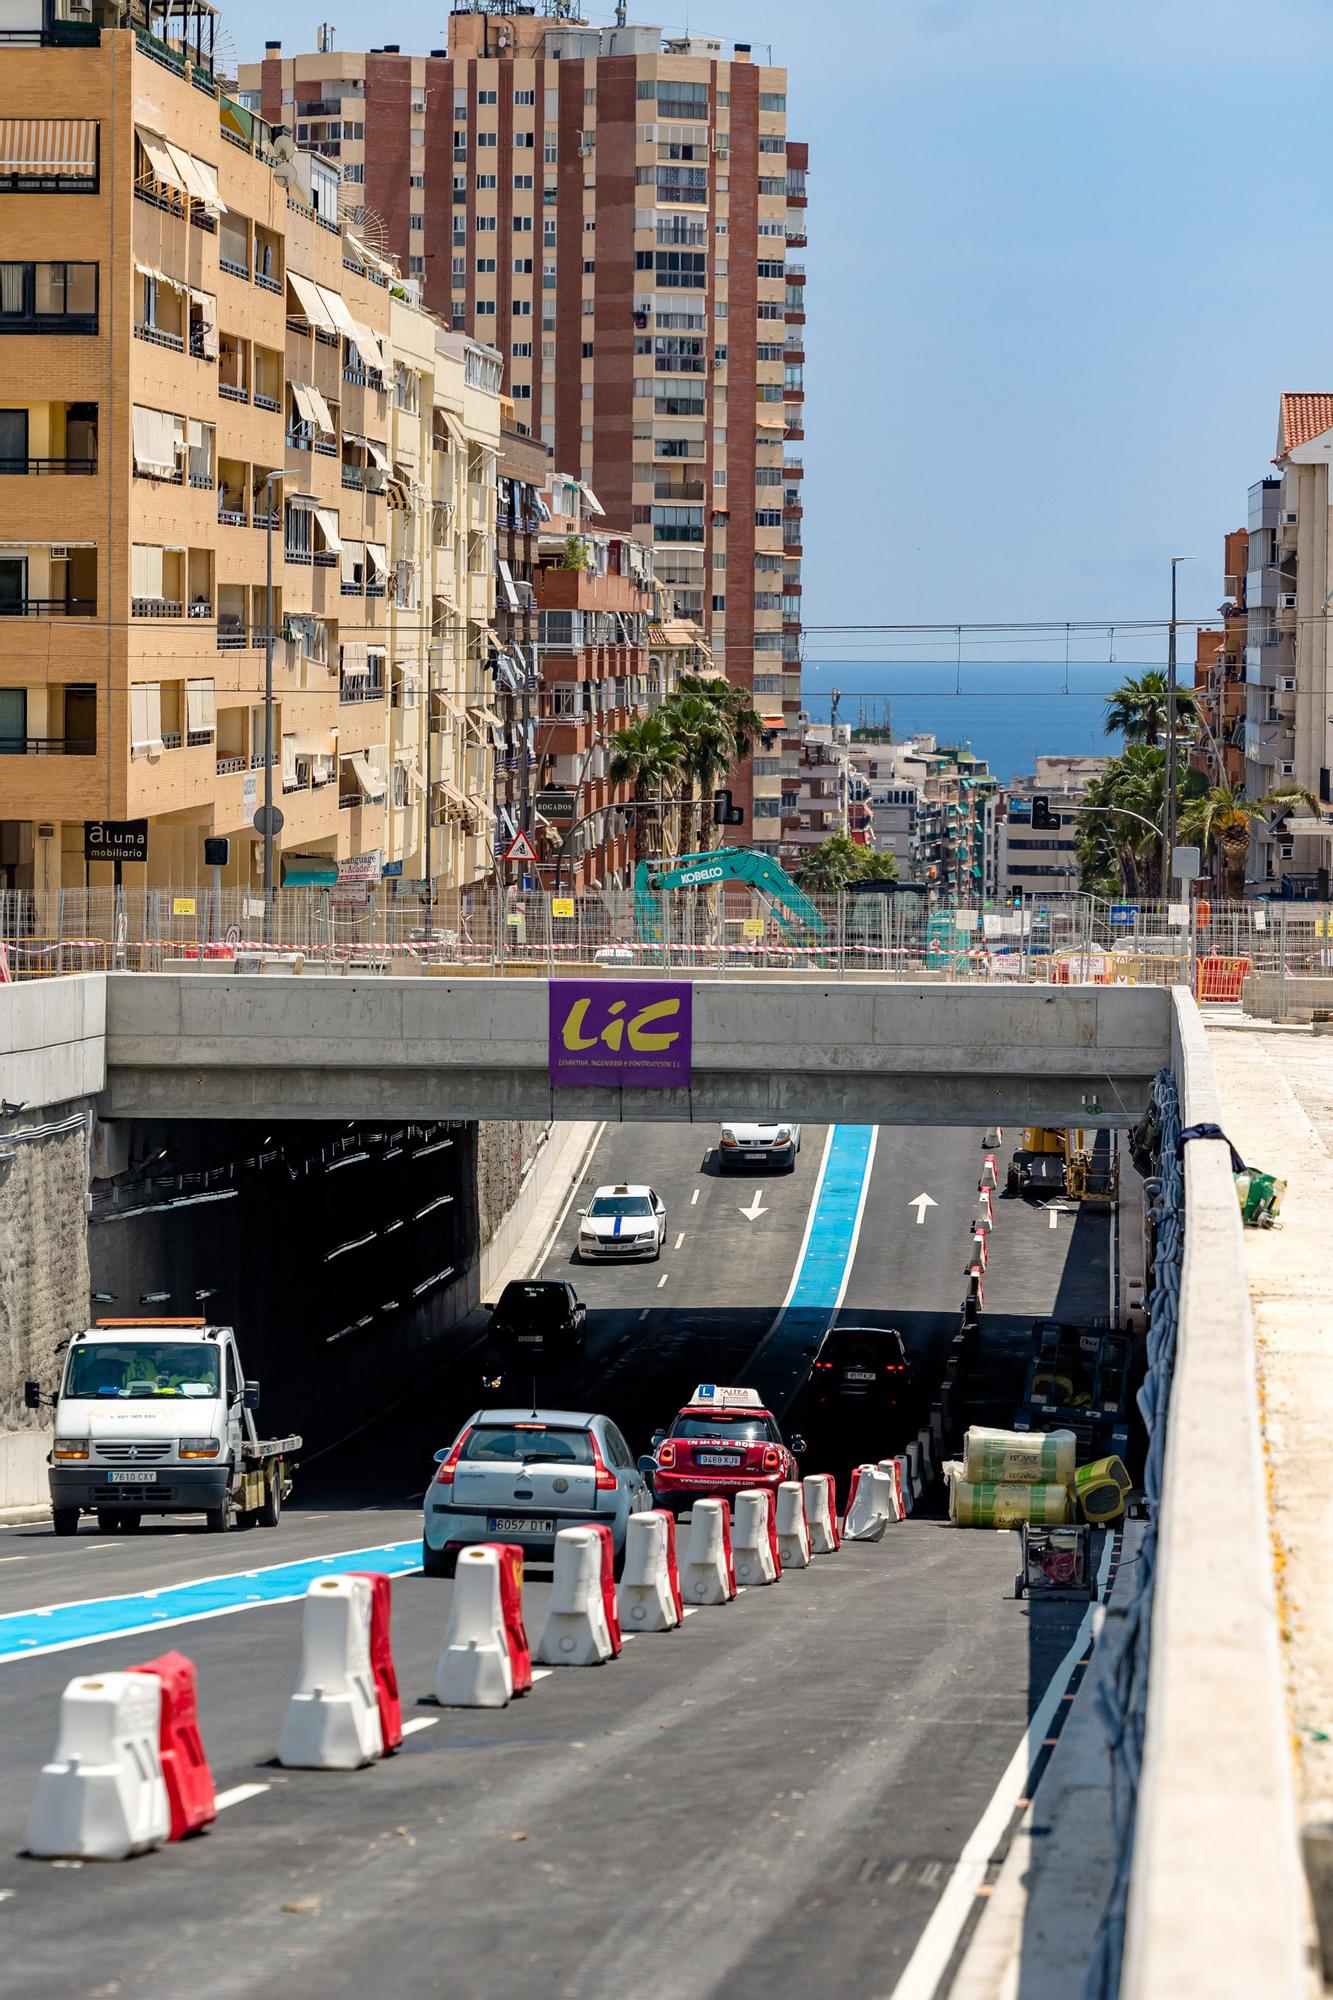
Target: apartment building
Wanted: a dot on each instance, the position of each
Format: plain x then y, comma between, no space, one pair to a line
523,468
622,212
213,376
891,777
955,825
1034,863
1219,676
820,805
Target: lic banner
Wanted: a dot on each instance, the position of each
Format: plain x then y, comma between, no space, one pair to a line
620,1031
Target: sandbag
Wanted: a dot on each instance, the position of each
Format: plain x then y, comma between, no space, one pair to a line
1033,1457
1008,1504
1101,1489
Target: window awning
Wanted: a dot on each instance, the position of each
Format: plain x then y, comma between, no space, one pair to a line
313,743
207,177
161,277
66,146
379,560
310,300
336,308
160,160
328,527
310,402
395,492
146,719
370,780
479,805
353,559
200,705
369,256
507,580
454,428
155,434
368,346
408,760
594,504
379,457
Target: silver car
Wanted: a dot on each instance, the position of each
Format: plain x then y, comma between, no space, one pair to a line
523,1475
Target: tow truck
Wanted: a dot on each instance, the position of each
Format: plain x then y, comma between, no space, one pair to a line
154,1416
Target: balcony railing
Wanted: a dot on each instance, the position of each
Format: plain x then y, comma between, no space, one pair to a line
262,402
232,638
233,393
267,284
40,465
48,607
159,336
356,690
232,517
156,607
48,746
229,264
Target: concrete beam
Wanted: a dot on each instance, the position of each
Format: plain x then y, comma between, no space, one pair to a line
191,1046
53,1039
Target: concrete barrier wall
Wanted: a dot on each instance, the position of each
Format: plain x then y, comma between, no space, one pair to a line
23,1483
1268,996
555,1169
1217,1905
53,1039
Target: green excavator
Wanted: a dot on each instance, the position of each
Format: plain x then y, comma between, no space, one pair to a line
788,904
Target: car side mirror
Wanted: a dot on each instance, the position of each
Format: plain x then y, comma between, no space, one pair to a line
658,1436
799,1447
250,1396
32,1395
440,1456
647,1465
487,1306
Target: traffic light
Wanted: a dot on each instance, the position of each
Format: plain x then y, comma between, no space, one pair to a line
1016,899
724,812
217,851
1043,819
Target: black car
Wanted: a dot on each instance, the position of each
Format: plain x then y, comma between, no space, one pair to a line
861,1367
538,1320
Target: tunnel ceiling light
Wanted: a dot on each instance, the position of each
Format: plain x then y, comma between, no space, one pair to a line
427,1283
389,1227
390,1306
358,1243
440,1201
392,1153
439,1146
347,1160
153,1298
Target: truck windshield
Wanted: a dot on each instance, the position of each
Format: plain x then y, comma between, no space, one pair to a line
133,1368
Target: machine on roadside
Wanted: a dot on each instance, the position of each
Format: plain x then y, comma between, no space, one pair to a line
789,906
1062,1160
154,1416
1078,1380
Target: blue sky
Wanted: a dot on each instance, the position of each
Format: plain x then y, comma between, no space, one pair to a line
1063,259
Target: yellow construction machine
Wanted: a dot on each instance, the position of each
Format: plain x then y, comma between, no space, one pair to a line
1065,1160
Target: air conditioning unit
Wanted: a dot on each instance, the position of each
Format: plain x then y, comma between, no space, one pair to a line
1286,683
1287,768
722,144
1287,600
59,552
1289,519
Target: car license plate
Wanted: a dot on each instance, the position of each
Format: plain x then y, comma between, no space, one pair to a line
519,1524
529,1339
715,1458
756,1156
131,1478
858,1375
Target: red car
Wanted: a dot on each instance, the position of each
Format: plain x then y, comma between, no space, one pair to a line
721,1442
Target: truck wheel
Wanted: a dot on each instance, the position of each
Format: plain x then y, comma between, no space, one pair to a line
130,1521
269,1512
65,1520
108,1520
438,1562
217,1520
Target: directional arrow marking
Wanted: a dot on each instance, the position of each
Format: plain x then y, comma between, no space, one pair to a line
756,1208
921,1204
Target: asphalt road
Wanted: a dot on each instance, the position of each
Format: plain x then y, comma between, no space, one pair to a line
770,1799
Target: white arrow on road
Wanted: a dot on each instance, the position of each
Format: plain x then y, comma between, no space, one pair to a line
921,1204
756,1208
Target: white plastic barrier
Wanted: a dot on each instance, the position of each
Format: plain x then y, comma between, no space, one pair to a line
646,1599
869,1505
706,1574
793,1529
102,1797
927,1462
889,1467
752,1538
993,1137
820,1515
474,1669
914,1467
333,1720
989,1178
979,1248
988,1206
576,1633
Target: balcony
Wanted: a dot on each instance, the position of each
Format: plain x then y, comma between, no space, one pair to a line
37,466
156,607
48,607
233,393
233,637
159,336
358,688
48,746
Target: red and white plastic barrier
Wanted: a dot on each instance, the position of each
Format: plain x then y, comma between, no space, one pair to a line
976,1284
790,1524
381,1659
903,1484
987,1206
477,1666
576,1632
889,1467
869,1510
979,1252
821,1513
707,1574
333,1720
610,1608
103,1796
989,1177
753,1543
649,1593
189,1782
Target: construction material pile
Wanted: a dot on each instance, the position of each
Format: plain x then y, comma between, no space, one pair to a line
1008,1478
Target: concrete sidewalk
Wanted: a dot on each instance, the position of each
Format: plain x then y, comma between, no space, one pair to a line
1276,1086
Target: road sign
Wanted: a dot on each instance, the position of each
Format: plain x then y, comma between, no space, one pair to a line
183,906
520,848
1122,913
115,840
752,927
269,819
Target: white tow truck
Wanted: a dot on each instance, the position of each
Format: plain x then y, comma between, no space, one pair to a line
154,1416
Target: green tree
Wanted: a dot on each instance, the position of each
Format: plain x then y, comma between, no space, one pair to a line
647,755
707,751
840,860
1223,819
735,705
1121,820
1137,709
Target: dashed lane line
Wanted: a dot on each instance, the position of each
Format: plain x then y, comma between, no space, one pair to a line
662,1280
418,1723
238,1795
679,1240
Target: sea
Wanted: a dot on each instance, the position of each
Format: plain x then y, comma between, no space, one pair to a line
1007,711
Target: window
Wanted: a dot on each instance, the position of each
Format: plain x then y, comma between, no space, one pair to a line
768,350
523,139
37,157
413,180
485,307
521,392
460,270
768,517
522,265
488,138
525,97
719,357
485,225
676,184
485,263
488,97
769,267
769,309
355,174
522,181
32,295
675,100
589,266
772,100
521,348
521,308
522,225
586,350
416,267
485,180
772,142
719,603
683,269
417,224
678,524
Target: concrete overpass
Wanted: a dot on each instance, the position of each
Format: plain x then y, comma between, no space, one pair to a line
201,1047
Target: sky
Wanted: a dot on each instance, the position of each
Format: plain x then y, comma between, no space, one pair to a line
1063,260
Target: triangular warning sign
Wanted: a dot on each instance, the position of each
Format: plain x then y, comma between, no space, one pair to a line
520,848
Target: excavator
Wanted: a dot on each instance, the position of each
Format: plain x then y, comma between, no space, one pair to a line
789,904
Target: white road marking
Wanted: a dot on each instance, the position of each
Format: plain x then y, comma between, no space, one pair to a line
238,1795
644,1313
13,1559
689,1611
1053,1216
662,1280
542,1673
935,1946
756,1207
569,1199
420,1722
694,1197
921,1203
679,1240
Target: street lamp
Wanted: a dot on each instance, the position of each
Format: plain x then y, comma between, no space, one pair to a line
270,481
1169,814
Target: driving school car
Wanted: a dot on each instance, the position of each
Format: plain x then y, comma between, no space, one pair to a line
721,1443
623,1221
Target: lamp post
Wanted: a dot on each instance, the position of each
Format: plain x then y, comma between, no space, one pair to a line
1169,812
269,483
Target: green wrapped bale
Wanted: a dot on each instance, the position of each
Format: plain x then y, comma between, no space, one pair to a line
1008,1504
1034,1458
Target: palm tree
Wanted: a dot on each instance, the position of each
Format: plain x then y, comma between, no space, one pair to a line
707,751
832,865
1137,708
1125,825
1224,818
647,755
736,705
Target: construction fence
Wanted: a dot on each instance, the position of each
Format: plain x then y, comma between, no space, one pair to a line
712,931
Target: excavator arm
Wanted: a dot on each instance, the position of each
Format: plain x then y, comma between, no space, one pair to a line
791,906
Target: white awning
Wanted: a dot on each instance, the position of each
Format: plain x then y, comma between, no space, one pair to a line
368,346
313,743
379,561
336,309
594,504
154,433
145,569
200,705
208,180
452,425
328,527
353,559
161,161
65,146
379,457
310,300
368,256
161,277
507,579
146,719
370,780
208,314
199,179
313,408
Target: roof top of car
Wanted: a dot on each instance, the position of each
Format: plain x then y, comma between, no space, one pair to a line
622,1187
560,1419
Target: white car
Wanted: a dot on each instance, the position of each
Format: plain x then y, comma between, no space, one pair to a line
623,1221
747,1145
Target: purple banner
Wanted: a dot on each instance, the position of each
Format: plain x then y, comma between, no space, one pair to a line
620,1031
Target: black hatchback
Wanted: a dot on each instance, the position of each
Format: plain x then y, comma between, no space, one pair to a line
862,1367
538,1319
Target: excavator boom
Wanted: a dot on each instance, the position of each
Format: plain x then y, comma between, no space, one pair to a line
791,906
